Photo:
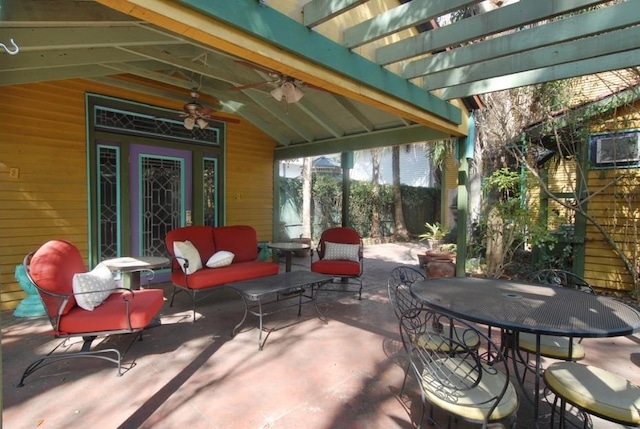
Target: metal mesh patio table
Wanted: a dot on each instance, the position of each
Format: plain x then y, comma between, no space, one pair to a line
267,295
520,307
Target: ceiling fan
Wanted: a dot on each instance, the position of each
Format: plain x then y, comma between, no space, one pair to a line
195,113
285,87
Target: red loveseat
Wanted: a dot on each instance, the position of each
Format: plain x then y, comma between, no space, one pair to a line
241,240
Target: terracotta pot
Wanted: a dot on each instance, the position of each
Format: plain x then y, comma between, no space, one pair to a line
440,268
440,256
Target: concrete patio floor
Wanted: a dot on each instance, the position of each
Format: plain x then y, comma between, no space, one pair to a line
345,374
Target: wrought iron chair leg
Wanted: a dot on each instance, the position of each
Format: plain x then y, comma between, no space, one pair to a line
50,358
173,294
86,345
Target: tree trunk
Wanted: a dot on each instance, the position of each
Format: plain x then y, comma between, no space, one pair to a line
399,227
375,197
495,248
306,198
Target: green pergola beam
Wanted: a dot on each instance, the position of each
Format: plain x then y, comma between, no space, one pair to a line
278,29
381,138
567,52
478,27
578,68
318,11
564,30
399,18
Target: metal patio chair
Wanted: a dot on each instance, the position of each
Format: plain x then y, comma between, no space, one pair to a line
471,383
51,268
401,300
340,254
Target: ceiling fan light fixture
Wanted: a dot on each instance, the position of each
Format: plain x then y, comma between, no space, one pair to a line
202,123
277,93
291,92
189,122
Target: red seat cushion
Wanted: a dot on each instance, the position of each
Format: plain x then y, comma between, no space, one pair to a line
52,268
336,268
238,271
111,315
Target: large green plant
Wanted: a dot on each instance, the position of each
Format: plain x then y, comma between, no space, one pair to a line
509,222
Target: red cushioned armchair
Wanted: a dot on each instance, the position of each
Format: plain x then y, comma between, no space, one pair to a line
340,255
51,268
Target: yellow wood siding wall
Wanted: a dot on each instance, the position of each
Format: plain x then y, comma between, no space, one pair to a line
562,179
43,183
614,203
249,179
617,209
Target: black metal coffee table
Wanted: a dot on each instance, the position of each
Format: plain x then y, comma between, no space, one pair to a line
272,294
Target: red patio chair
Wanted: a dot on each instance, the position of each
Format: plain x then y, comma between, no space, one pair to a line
51,268
340,255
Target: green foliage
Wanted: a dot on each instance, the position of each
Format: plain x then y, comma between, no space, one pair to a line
440,150
327,199
504,181
435,231
291,192
419,203
361,207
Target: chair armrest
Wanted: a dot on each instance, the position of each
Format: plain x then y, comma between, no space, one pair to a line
184,264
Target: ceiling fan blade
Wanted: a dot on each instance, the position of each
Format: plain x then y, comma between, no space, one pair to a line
205,111
251,85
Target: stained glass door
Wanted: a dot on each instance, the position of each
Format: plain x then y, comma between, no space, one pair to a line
160,196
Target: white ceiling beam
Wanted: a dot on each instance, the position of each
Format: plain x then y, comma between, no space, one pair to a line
590,47
50,74
296,126
478,27
319,117
318,11
353,110
400,18
15,13
570,28
153,75
192,66
64,58
616,61
48,39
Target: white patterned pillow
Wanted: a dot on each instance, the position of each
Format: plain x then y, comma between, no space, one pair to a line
334,251
99,281
221,258
186,250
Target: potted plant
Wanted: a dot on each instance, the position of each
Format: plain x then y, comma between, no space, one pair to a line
439,261
434,235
